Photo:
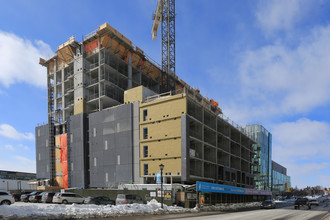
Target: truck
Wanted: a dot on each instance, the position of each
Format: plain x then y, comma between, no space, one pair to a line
302,202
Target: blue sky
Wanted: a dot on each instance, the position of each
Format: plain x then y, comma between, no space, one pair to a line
265,62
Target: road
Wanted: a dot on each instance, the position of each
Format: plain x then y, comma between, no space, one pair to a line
316,213
282,212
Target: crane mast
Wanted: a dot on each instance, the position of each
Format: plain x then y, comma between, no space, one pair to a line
165,15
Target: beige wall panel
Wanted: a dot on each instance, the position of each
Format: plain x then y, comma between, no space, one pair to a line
164,129
172,166
162,149
57,153
133,95
59,181
57,140
79,107
174,106
58,167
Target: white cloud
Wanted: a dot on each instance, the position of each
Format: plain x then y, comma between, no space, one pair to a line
20,60
308,174
301,140
276,15
18,163
303,147
277,79
10,132
9,147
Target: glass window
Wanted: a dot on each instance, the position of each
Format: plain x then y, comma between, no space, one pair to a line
145,115
145,169
145,151
145,133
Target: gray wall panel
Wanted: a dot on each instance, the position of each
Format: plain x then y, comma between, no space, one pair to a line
114,125
77,151
42,136
185,148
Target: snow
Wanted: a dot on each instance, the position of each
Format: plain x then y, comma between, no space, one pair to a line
61,211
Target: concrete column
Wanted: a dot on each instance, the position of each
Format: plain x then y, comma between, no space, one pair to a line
79,88
63,113
99,75
129,70
55,87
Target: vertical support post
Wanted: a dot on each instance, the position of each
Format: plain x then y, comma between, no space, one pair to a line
161,166
129,70
161,188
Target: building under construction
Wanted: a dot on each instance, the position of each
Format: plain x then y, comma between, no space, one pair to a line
114,117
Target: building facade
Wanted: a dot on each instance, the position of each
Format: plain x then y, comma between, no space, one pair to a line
114,117
262,161
12,180
281,182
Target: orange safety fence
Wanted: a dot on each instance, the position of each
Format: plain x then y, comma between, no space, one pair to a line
64,159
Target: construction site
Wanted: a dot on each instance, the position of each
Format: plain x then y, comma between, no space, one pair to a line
115,115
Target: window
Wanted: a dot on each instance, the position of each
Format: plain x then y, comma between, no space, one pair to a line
94,161
145,133
145,115
71,138
38,132
71,166
106,177
46,142
145,151
39,156
106,145
94,132
118,159
145,169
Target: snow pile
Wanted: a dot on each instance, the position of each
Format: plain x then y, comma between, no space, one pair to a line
229,207
55,211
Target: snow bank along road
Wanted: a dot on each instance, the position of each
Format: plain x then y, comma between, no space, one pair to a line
59,211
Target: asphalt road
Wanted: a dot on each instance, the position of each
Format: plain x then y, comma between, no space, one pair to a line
321,212
282,212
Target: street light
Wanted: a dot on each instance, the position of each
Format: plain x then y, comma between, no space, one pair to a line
161,166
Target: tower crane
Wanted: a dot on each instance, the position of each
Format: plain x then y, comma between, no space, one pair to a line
165,16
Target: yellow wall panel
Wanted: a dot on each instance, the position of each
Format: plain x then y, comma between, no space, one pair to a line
164,129
57,140
174,106
162,149
133,95
58,167
57,153
172,166
79,106
59,181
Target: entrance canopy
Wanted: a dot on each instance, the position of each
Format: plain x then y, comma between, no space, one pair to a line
218,188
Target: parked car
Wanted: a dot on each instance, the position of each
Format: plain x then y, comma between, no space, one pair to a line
47,197
99,200
6,198
268,204
35,197
314,202
17,197
129,199
25,197
66,198
302,202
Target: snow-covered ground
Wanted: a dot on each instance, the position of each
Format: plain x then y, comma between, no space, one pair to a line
60,211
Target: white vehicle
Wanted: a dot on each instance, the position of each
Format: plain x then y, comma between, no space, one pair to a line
6,198
66,198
